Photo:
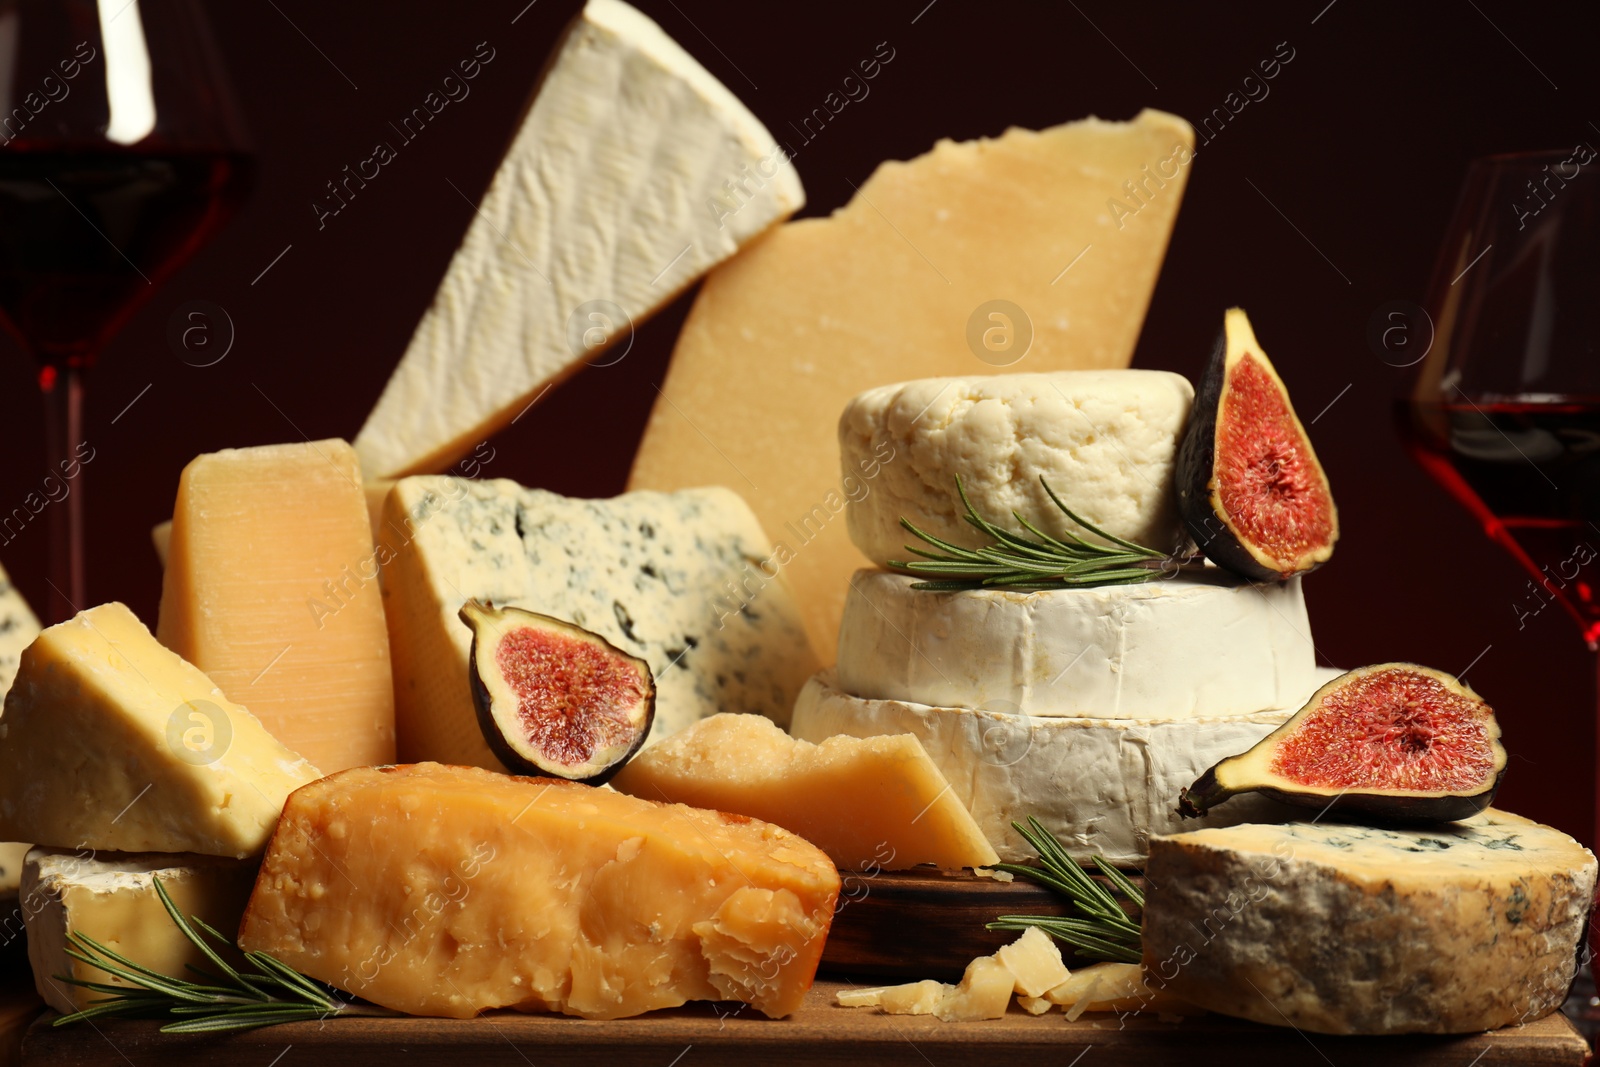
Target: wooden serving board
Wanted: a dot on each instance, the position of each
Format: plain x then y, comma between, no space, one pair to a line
708,1035
928,924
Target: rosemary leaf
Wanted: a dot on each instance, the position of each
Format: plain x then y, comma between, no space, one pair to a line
1100,929
238,1000
1015,561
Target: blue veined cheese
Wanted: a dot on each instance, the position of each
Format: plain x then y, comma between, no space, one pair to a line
1347,929
680,580
18,628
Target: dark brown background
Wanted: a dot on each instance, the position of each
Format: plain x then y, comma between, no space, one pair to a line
1360,144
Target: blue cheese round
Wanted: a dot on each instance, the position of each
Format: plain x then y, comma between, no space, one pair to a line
1343,929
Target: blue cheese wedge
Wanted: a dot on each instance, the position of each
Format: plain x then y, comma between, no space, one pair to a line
686,581
18,628
1342,929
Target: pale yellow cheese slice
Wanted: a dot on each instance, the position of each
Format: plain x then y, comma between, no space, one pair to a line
271,588
869,803
111,741
900,283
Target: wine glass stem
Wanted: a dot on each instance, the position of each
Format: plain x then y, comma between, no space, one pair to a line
66,452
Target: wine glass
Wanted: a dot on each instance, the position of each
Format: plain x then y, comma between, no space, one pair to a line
120,155
1504,409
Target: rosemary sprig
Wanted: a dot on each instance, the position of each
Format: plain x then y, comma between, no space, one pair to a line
237,1000
1102,929
1016,562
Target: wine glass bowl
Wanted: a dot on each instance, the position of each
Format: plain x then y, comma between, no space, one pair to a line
1504,410
121,153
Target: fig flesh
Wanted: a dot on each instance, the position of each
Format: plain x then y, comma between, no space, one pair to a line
554,699
1250,489
1395,743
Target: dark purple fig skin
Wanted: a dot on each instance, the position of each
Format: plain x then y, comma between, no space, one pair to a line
1196,463
517,763
1195,468
1206,794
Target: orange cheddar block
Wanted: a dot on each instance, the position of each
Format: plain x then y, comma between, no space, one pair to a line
869,803
438,890
271,588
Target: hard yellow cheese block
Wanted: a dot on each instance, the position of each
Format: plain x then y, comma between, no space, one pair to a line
876,802
271,588
438,890
110,741
111,897
1067,226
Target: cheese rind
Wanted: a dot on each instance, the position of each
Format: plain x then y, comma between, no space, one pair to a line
886,289
111,741
451,890
649,572
870,803
633,173
1200,644
1105,441
1345,929
1103,786
271,588
111,897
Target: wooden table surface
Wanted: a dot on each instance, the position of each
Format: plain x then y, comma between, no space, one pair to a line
703,1035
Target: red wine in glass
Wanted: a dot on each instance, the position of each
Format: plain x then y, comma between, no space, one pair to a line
122,156
1529,470
1504,408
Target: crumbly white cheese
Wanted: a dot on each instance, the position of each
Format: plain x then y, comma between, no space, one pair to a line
634,173
1347,929
1195,645
673,578
1104,440
1103,786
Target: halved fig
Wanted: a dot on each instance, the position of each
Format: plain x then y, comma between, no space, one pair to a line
1395,742
1250,489
554,699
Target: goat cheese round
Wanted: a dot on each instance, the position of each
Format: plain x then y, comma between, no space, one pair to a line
1342,929
1194,645
1105,441
1103,786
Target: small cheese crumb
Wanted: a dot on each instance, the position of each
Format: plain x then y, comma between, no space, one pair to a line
984,992
999,876
1034,962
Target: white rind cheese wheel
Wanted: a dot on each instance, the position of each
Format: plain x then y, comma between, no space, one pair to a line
1103,786
1197,645
1343,929
1105,440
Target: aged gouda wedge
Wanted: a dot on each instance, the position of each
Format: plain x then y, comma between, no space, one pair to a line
440,890
111,741
1031,251
271,588
876,802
